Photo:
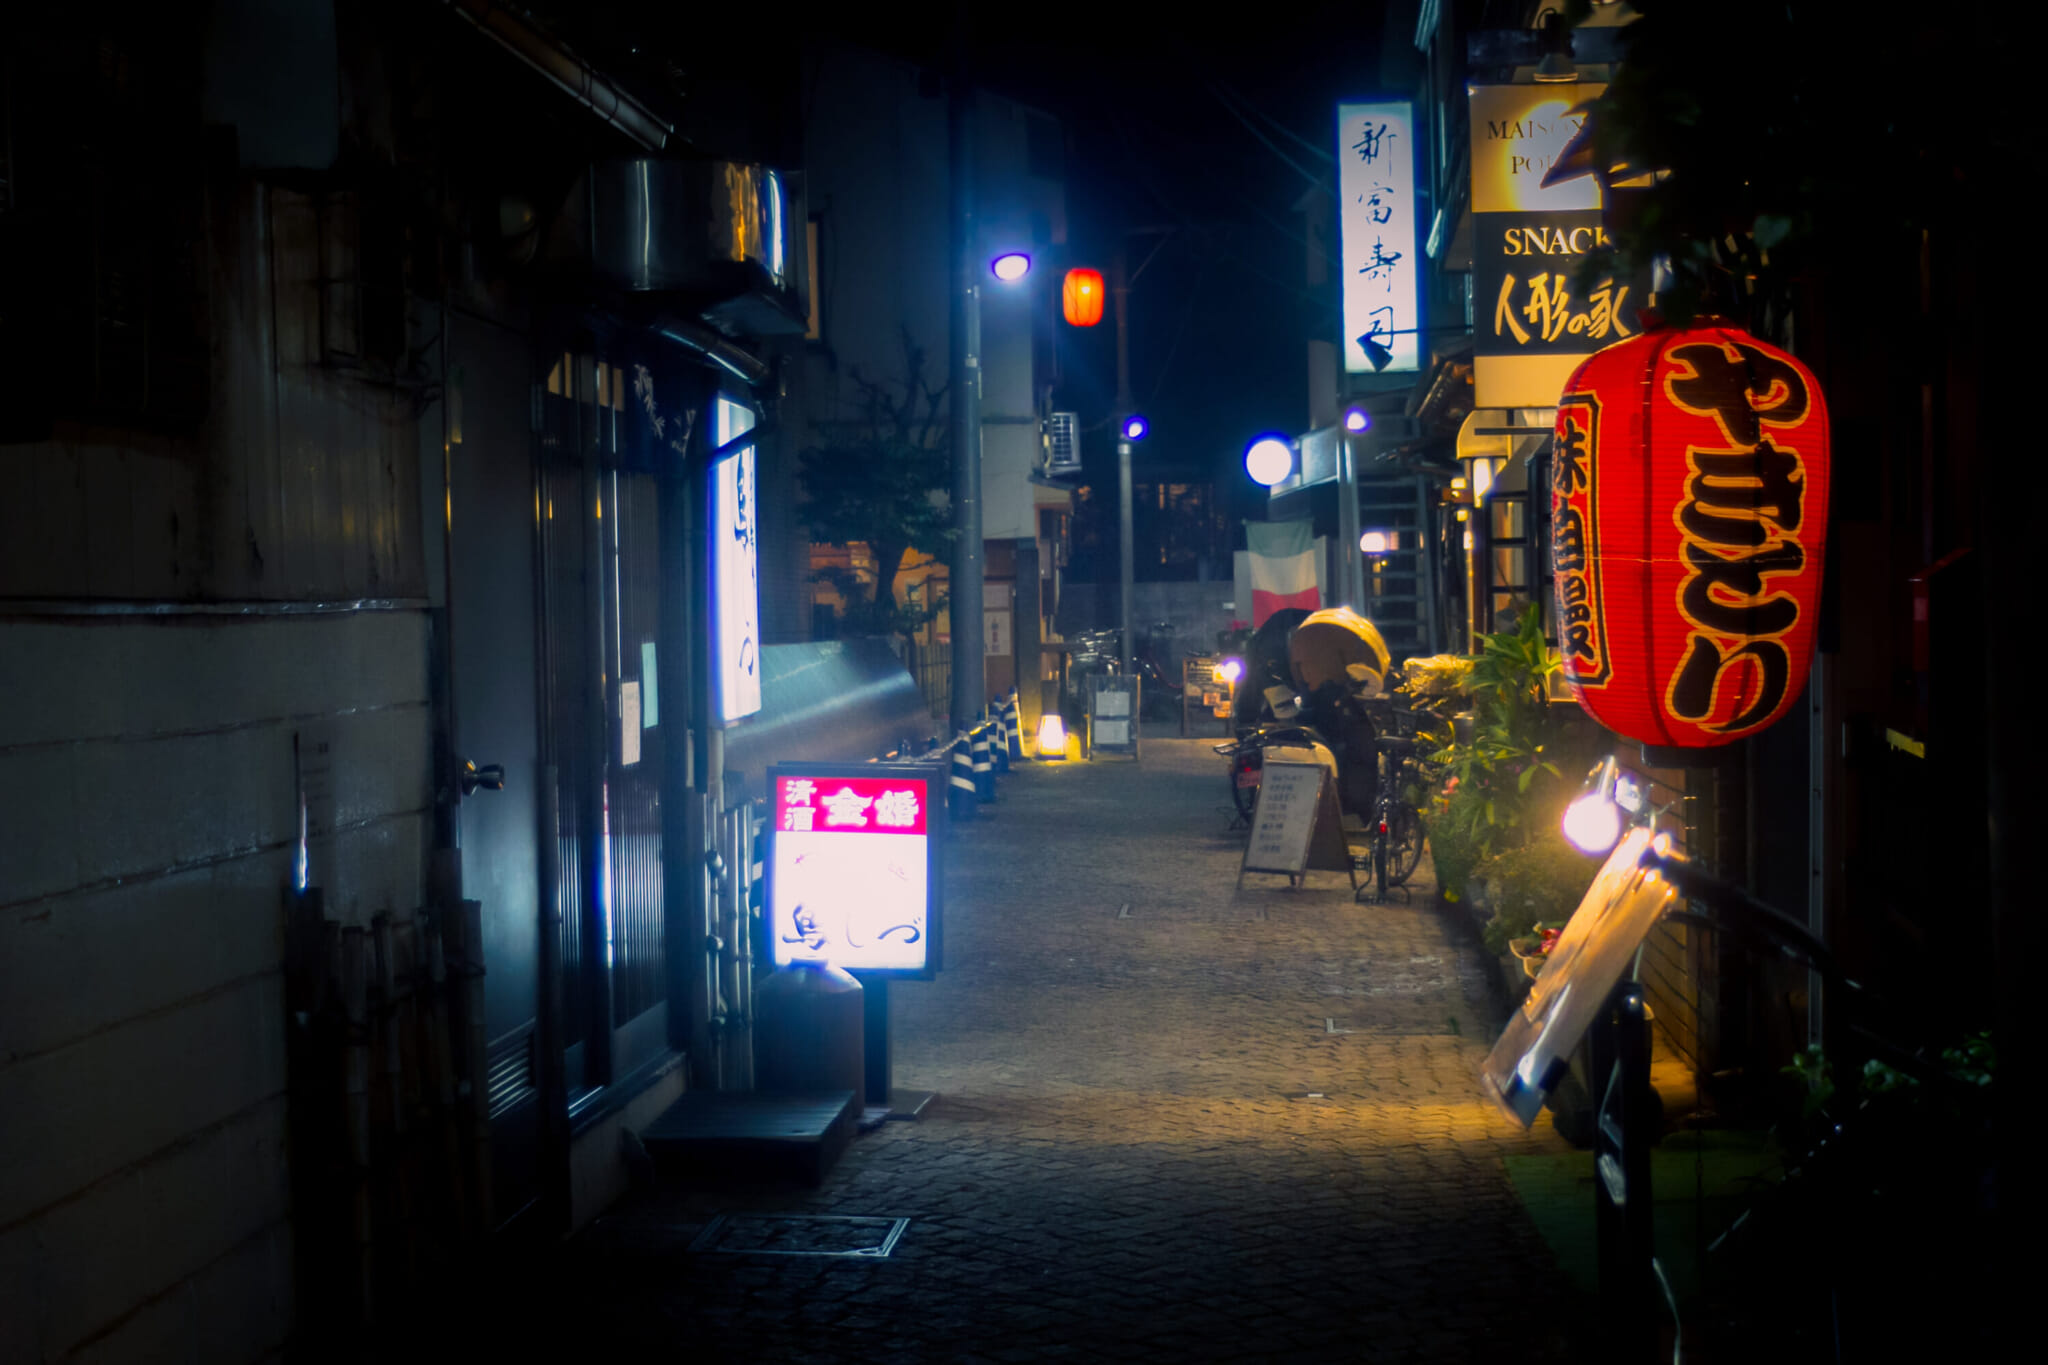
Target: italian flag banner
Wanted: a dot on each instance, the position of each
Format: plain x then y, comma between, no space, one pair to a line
1283,567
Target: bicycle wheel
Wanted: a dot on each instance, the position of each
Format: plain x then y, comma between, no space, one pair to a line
1404,842
1380,854
1244,782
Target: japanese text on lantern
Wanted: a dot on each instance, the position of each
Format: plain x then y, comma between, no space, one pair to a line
1575,530
1741,520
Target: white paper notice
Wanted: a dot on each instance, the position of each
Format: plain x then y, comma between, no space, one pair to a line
629,724
1285,818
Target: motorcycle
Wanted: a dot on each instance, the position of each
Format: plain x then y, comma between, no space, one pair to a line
1332,725
1335,663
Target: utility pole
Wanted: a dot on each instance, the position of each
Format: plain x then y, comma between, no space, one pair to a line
1120,291
965,390
1350,583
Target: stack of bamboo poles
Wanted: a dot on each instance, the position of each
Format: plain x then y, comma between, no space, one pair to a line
389,1106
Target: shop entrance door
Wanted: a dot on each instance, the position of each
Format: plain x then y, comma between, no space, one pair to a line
492,634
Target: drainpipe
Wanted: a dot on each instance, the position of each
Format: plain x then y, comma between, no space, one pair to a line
575,77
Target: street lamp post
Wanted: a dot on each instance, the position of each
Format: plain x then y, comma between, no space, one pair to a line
1120,293
1352,584
965,400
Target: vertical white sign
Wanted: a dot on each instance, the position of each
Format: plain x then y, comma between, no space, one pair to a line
735,580
1376,213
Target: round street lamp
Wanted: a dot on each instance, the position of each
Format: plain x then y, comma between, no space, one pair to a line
1135,428
1269,460
1011,266
1357,419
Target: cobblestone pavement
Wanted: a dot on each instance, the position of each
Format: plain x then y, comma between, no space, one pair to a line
1178,1121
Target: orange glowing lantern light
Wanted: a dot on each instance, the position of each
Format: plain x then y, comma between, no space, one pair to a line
1689,506
1081,297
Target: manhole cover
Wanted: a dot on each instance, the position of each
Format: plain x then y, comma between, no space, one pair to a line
800,1234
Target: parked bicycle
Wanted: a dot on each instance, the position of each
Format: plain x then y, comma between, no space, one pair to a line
1397,830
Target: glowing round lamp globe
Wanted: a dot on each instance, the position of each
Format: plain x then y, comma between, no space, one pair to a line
1358,419
1011,266
1375,542
1135,428
1593,823
1269,460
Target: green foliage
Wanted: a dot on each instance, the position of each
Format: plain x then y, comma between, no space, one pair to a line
1970,1066
1538,884
1453,847
866,612
882,480
1487,789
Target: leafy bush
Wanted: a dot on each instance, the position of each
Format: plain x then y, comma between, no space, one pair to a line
1500,788
1453,847
1541,882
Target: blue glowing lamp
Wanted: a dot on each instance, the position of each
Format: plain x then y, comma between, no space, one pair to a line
1269,460
1011,266
1135,427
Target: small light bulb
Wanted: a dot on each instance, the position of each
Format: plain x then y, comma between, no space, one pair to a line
1592,823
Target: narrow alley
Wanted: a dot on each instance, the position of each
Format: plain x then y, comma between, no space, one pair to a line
1177,1121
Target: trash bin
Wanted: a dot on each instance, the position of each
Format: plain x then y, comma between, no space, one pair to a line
808,1032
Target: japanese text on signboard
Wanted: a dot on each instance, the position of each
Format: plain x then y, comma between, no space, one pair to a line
1376,217
850,883
735,568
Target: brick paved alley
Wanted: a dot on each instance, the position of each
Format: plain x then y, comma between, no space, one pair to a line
1225,1124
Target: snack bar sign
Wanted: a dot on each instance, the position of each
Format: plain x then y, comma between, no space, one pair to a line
852,870
1534,318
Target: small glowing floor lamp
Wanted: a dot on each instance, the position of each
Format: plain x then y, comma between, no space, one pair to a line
1052,737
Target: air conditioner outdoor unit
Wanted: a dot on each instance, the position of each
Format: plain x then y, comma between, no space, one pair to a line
1063,443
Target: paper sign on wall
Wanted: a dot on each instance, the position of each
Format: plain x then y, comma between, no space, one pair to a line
629,724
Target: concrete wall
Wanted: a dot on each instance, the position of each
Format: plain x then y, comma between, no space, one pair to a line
147,795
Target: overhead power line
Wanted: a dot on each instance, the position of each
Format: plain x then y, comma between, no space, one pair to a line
1313,177
1321,153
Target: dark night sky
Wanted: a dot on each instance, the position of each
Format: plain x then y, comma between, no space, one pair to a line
1220,317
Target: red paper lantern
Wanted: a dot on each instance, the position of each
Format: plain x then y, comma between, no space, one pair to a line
1081,297
1689,507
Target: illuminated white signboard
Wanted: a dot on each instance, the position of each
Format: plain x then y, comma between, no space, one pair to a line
853,876
735,578
1376,214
